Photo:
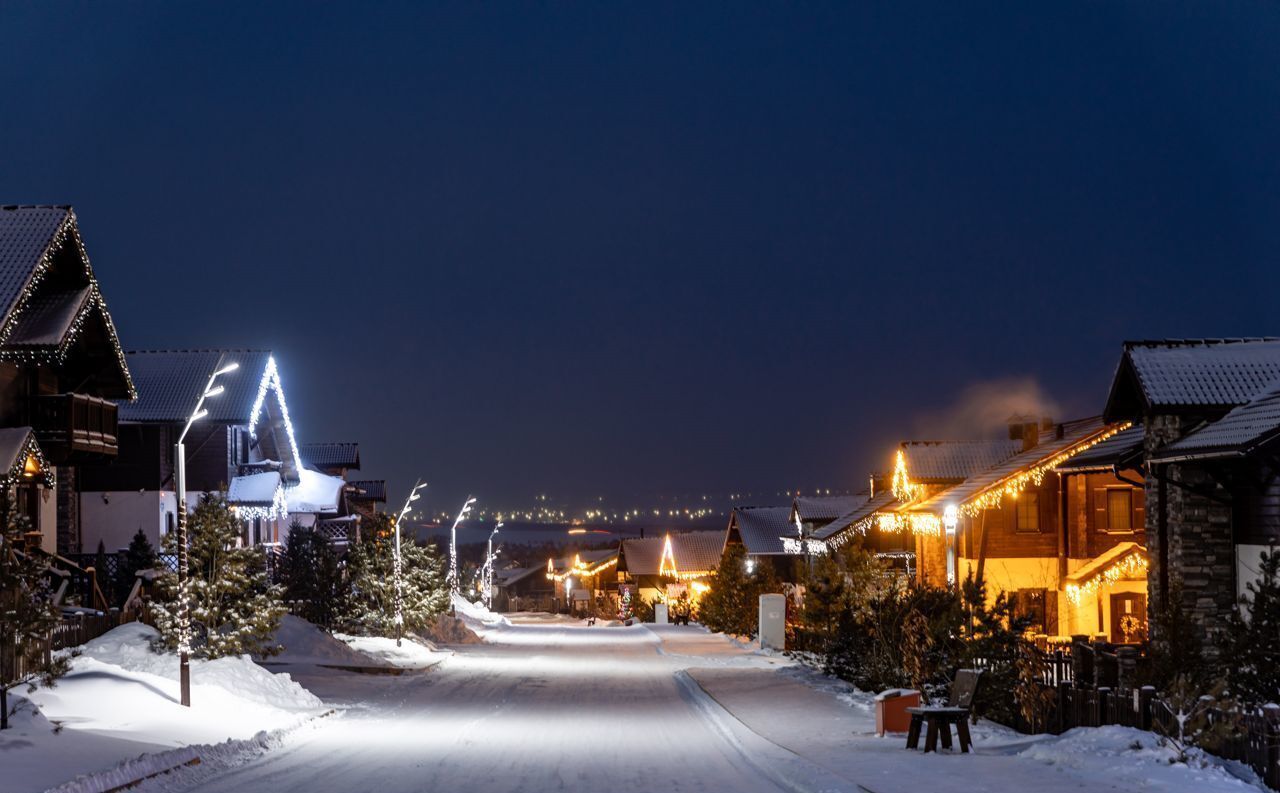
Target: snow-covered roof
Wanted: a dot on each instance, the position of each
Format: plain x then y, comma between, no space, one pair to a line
1181,373
1121,449
331,455
942,462
16,443
825,508
761,529
1242,430
254,489
1105,560
694,552
880,501
315,492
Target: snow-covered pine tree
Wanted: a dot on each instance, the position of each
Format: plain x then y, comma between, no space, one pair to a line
312,577
1252,640
730,605
234,608
370,564
27,615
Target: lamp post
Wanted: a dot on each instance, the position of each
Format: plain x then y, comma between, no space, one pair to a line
454,586
486,578
397,568
180,483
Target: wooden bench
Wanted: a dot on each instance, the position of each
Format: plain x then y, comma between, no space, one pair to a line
940,718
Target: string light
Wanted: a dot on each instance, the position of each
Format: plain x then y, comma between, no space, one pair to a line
668,555
279,508
579,568
1133,564
914,522
903,489
271,382
793,546
28,458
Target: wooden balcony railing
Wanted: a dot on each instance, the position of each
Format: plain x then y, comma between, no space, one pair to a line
69,425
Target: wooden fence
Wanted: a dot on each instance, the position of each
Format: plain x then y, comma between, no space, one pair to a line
73,631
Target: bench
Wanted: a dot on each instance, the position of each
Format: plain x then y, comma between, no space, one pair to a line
940,718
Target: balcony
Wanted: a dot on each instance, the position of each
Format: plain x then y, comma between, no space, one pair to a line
75,427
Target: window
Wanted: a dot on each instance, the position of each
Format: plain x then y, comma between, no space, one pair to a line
1033,605
1028,518
1120,509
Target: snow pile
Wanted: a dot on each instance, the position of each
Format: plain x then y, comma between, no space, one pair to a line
304,643
411,654
477,612
453,630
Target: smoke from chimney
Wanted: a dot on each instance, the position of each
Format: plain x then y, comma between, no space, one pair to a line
988,409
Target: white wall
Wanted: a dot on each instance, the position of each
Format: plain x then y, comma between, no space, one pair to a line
114,517
48,519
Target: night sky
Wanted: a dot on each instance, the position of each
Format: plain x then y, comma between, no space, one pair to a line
625,250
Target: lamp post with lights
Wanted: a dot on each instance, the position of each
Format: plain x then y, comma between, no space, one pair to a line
486,577
180,483
454,584
397,568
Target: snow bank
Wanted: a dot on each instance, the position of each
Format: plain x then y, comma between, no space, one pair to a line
304,643
381,651
477,612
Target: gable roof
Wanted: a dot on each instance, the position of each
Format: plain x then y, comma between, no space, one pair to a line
761,529
1176,374
42,318
331,455
850,520
369,490
823,508
694,552
1121,450
16,443
945,462
1240,432
170,381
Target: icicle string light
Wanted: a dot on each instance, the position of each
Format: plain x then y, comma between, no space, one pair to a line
914,522
279,508
271,382
579,569
796,547
1133,564
903,488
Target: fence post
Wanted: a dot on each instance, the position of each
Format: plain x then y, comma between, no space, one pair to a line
1145,697
1064,690
1126,666
1080,666
1271,745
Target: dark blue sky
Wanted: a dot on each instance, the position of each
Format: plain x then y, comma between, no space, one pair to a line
623,250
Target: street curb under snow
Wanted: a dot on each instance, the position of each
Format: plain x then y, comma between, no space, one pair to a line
132,773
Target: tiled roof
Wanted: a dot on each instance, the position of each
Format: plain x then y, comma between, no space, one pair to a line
762,528
694,552
1116,450
47,318
373,490
825,508
1200,372
1074,432
589,558
941,462
254,489
1242,430
25,234
170,381
330,455
880,501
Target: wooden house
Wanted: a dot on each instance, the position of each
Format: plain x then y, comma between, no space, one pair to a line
61,367
1209,410
582,577
663,568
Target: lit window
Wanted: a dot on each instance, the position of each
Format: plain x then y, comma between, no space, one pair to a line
1028,512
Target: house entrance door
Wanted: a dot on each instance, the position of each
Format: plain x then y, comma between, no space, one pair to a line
1128,617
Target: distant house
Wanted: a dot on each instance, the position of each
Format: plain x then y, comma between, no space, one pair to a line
335,459
762,532
244,447
60,368
664,567
523,589
1209,410
364,496
582,577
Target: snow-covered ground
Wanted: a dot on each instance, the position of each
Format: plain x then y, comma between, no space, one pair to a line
551,704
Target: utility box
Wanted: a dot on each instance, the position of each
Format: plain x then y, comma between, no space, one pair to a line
773,622
891,709
659,613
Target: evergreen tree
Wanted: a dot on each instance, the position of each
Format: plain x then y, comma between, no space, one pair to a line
27,615
1252,640
1177,654
370,607
312,577
732,600
993,639
836,586
141,555
234,609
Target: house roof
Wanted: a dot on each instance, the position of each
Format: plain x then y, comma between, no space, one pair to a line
503,578
824,508
43,315
1176,374
254,490
694,552
589,558
331,455
15,444
170,382
761,529
880,501
1050,446
943,462
1118,451
315,492
1239,432
369,490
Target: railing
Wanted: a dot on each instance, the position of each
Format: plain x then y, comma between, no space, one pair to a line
76,423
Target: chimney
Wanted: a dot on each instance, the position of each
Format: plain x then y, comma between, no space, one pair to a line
1046,423
1030,435
1015,427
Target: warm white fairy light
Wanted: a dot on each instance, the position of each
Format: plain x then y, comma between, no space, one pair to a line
1132,564
901,485
667,564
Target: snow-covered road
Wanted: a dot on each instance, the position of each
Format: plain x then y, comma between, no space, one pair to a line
540,708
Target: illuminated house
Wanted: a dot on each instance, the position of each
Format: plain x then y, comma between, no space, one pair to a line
60,368
245,447
761,532
664,567
1209,412
581,578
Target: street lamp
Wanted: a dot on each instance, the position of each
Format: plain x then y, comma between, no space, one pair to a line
180,482
454,586
396,570
486,581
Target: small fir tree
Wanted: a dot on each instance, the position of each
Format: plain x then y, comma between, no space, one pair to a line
731,601
1252,638
312,576
234,608
141,555
370,607
837,586
27,615
1176,649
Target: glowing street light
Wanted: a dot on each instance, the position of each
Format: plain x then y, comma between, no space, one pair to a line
397,567
180,484
454,586
486,578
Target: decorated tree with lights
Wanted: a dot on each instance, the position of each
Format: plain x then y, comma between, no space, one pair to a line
370,608
27,615
234,608
312,576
